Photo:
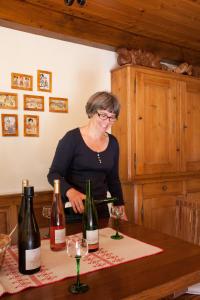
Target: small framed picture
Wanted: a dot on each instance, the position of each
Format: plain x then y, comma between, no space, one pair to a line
44,81
32,102
8,100
58,104
9,124
21,81
31,125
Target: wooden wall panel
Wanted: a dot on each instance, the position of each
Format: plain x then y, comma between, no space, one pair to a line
9,206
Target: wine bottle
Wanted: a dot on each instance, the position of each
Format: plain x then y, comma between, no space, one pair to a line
90,221
57,221
96,202
29,237
21,212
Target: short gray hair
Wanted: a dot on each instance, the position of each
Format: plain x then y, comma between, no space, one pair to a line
102,101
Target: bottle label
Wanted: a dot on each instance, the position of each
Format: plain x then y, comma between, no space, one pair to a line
92,236
59,236
32,259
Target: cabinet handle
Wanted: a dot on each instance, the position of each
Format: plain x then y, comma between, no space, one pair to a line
140,118
185,126
164,187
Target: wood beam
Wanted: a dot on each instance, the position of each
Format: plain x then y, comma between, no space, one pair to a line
29,17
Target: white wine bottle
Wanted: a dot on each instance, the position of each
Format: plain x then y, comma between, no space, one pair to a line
96,202
57,221
29,237
90,221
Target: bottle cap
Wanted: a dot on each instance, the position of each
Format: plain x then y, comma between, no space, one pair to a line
29,191
56,186
25,182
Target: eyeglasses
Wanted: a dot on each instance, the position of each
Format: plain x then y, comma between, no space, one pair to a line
104,117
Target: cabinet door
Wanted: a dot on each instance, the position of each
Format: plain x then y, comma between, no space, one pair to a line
156,124
190,96
189,218
160,214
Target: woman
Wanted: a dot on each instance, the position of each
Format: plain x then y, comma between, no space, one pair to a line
91,153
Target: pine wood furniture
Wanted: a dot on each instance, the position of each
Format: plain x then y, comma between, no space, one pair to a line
154,277
9,206
159,135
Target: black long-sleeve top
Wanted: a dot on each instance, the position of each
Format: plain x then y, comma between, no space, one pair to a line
74,162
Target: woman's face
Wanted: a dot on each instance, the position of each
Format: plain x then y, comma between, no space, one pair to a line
104,119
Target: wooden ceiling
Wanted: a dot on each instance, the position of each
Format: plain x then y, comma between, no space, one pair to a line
170,28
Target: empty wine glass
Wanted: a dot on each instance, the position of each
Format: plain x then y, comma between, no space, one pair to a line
46,212
77,248
117,212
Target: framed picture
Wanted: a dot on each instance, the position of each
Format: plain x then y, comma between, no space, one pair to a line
44,81
31,125
9,124
21,81
32,102
8,100
58,104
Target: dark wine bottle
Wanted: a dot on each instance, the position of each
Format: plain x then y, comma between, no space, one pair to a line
96,202
21,212
57,221
90,221
29,237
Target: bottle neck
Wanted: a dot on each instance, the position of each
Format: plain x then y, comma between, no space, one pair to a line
88,191
24,184
29,203
56,197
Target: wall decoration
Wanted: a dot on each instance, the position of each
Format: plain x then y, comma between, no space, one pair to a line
138,57
21,81
8,100
31,125
9,124
44,81
32,102
58,104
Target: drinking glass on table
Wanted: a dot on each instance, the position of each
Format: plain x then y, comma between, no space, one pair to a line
77,248
117,213
46,212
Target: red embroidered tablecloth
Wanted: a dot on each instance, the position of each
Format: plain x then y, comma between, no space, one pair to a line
57,265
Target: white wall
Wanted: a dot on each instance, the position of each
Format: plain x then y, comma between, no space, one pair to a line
78,71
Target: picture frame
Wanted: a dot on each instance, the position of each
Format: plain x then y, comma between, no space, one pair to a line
59,105
8,100
9,124
44,81
21,81
31,125
33,102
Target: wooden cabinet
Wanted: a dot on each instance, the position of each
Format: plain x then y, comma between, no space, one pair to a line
9,207
156,124
158,205
159,124
159,135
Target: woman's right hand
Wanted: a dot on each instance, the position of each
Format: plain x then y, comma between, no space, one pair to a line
76,198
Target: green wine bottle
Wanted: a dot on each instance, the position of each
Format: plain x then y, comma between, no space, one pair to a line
29,237
90,221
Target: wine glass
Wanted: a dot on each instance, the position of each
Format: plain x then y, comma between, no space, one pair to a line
117,212
46,212
77,247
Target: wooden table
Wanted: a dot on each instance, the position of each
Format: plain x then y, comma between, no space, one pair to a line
149,278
